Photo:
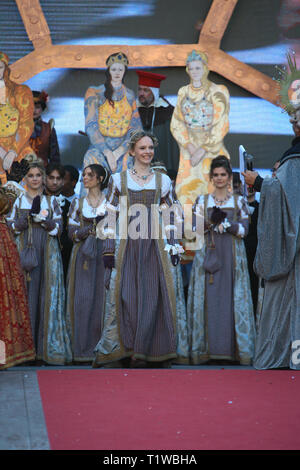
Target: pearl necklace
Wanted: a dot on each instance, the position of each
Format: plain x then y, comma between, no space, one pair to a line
221,201
142,177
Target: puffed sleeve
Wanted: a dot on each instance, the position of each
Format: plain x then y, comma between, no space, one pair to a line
178,127
198,216
91,103
107,229
57,217
73,218
240,227
25,105
172,215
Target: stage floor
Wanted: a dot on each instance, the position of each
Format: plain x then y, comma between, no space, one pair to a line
206,408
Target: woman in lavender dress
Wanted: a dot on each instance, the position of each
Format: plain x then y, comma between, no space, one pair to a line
36,221
219,310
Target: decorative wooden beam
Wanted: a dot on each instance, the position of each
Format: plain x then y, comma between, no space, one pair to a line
145,56
35,23
46,56
216,22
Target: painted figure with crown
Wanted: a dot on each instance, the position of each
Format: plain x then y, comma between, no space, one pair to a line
110,117
199,124
16,119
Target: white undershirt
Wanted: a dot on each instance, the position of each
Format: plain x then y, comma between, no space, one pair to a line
166,183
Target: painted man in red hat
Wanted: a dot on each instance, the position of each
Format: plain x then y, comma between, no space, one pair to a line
43,139
156,113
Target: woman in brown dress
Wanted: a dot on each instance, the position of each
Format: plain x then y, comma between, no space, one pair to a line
85,282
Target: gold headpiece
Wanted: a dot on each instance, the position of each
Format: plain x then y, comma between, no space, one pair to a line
289,85
119,57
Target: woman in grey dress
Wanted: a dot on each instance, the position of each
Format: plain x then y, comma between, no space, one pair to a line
85,282
219,309
36,221
140,318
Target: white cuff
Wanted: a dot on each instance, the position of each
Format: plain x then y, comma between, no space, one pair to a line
54,232
105,233
174,249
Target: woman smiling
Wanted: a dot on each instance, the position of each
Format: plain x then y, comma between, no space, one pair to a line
36,222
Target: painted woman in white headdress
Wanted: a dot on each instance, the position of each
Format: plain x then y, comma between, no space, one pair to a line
199,124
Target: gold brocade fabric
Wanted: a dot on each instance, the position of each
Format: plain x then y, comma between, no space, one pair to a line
9,120
16,122
114,120
200,118
15,328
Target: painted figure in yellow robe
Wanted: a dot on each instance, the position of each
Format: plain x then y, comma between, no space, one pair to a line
110,117
16,119
199,124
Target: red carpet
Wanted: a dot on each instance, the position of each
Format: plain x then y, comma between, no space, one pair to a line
171,409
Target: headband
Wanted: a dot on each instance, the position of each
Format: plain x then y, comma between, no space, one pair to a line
119,58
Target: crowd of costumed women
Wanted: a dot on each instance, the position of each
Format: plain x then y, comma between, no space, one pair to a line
121,302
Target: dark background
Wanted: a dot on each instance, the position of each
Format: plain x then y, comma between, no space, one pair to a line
254,24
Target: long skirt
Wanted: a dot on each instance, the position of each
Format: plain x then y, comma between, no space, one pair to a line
85,301
46,296
16,342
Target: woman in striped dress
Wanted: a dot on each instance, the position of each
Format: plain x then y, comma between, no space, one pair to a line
140,319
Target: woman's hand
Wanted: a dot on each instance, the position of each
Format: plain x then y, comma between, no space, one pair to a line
191,148
220,228
197,156
111,158
118,152
21,223
108,260
83,232
8,160
48,224
175,259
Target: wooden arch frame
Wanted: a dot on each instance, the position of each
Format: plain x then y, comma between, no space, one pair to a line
46,55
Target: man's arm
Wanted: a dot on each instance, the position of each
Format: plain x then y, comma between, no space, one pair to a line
252,178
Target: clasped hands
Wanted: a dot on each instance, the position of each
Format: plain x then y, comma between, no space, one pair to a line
197,154
39,216
6,158
112,157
